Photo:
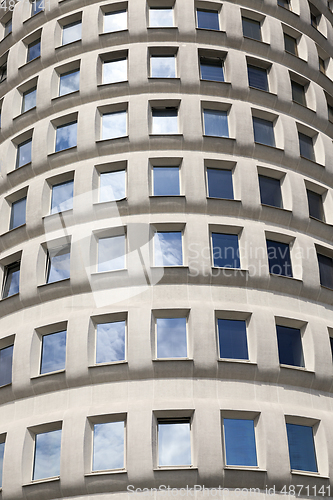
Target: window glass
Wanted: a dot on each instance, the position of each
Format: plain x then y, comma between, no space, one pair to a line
171,338
208,19
331,344
232,339
325,270
66,136
108,446
322,65
163,66
69,82
23,156
211,69
2,452
315,203
306,146
298,93
279,258
225,250
216,123
115,21
37,6
220,183
290,44
47,455
168,248
251,28
290,346
284,3
53,352
29,99
33,50
3,72
257,77
240,444
111,253
62,197
263,131
165,121
330,112
11,280
270,191
71,32
8,27
160,17
112,186
301,448
174,443
17,215
110,342
6,363
114,125
58,264
166,181
115,71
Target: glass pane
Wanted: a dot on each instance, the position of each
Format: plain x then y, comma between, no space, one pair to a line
270,191
108,446
225,250
315,203
263,131
111,253
306,146
71,33
165,121
171,338
62,197
47,455
2,452
298,93
17,216
331,344
325,270
240,445
279,258
114,125
110,342
29,100
284,3
6,362
251,28
166,181
220,183
163,67
66,136
211,69
8,27
115,71
69,82
232,339
168,249
12,280
112,186
23,153
58,264
290,346
174,444
208,19
115,21
53,352
257,77
160,18
301,448
37,6
216,123
290,44
33,50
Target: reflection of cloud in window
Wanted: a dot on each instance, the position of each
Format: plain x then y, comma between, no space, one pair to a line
110,342
115,71
112,186
53,352
66,136
47,455
171,337
163,67
69,82
174,444
165,121
168,249
62,197
114,125
59,264
160,18
115,21
111,253
108,446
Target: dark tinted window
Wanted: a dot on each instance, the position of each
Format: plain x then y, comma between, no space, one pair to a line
279,258
331,344
240,445
301,448
325,270
17,216
284,3
290,346
257,77
232,339
33,50
290,44
306,146
220,183
298,93
225,250
270,191
315,203
263,131
8,27
216,123
6,361
208,19
251,28
211,69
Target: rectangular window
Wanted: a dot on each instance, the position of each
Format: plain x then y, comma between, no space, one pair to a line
162,66
114,125
322,65
251,28
171,338
71,32
211,69
166,181
208,19
174,442
279,258
6,364
331,344
240,443
290,346
168,248
115,21
284,3
62,197
315,203
109,446
29,99
232,339
165,121
2,453
257,77
330,112
225,250
11,283
161,17
298,93
33,50
110,342
302,453
290,44
66,136
23,156
115,71
306,146
37,6
111,253
3,72
8,27
47,455
325,270
18,212
58,264
270,191
263,131
53,352
69,82
315,16
219,183
112,185
216,123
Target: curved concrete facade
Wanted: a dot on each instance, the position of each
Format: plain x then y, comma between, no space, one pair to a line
143,390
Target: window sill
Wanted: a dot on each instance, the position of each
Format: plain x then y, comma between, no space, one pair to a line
223,199
327,287
10,296
48,216
267,92
53,282
54,99
111,363
70,44
299,368
318,220
287,277
42,481
255,40
42,375
309,474
166,135
99,203
164,78
219,137
216,81
210,29
29,62
230,268
269,146
174,468
11,230
287,210
181,266
172,359
288,10
110,32
109,84
19,168
312,161
33,16
6,36
50,155
163,196
245,467
102,273
240,361
24,113
105,472
102,141
162,28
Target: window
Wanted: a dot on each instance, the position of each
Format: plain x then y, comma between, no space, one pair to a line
306,146
322,65
2,452
33,50
6,363
315,16
111,253
168,249
325,270
58,264
71,32
23,156
232,339
165,120
47,455
115,71
330,112
302,453
289,346
110,342
279,258
109,445
162,66
240,443
315,203
331,344
251,28
29,99
3,72
66,136
11,283
257,77
208,19
298,93
161,17
37,6
69,82
8,27
219,183
263,131
115,21
216,123
270,191
211,68
53,352
171,338
174,442
166,181
114,125
112,185
62,197
290,44
225,250
284,3
17,214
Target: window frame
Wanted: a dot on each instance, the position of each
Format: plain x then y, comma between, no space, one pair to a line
288,246
170,315
69,26
166,418
248,416
177,229
64,74
32,44
62,126
223,232
217,21
48,268
257,119
6,269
